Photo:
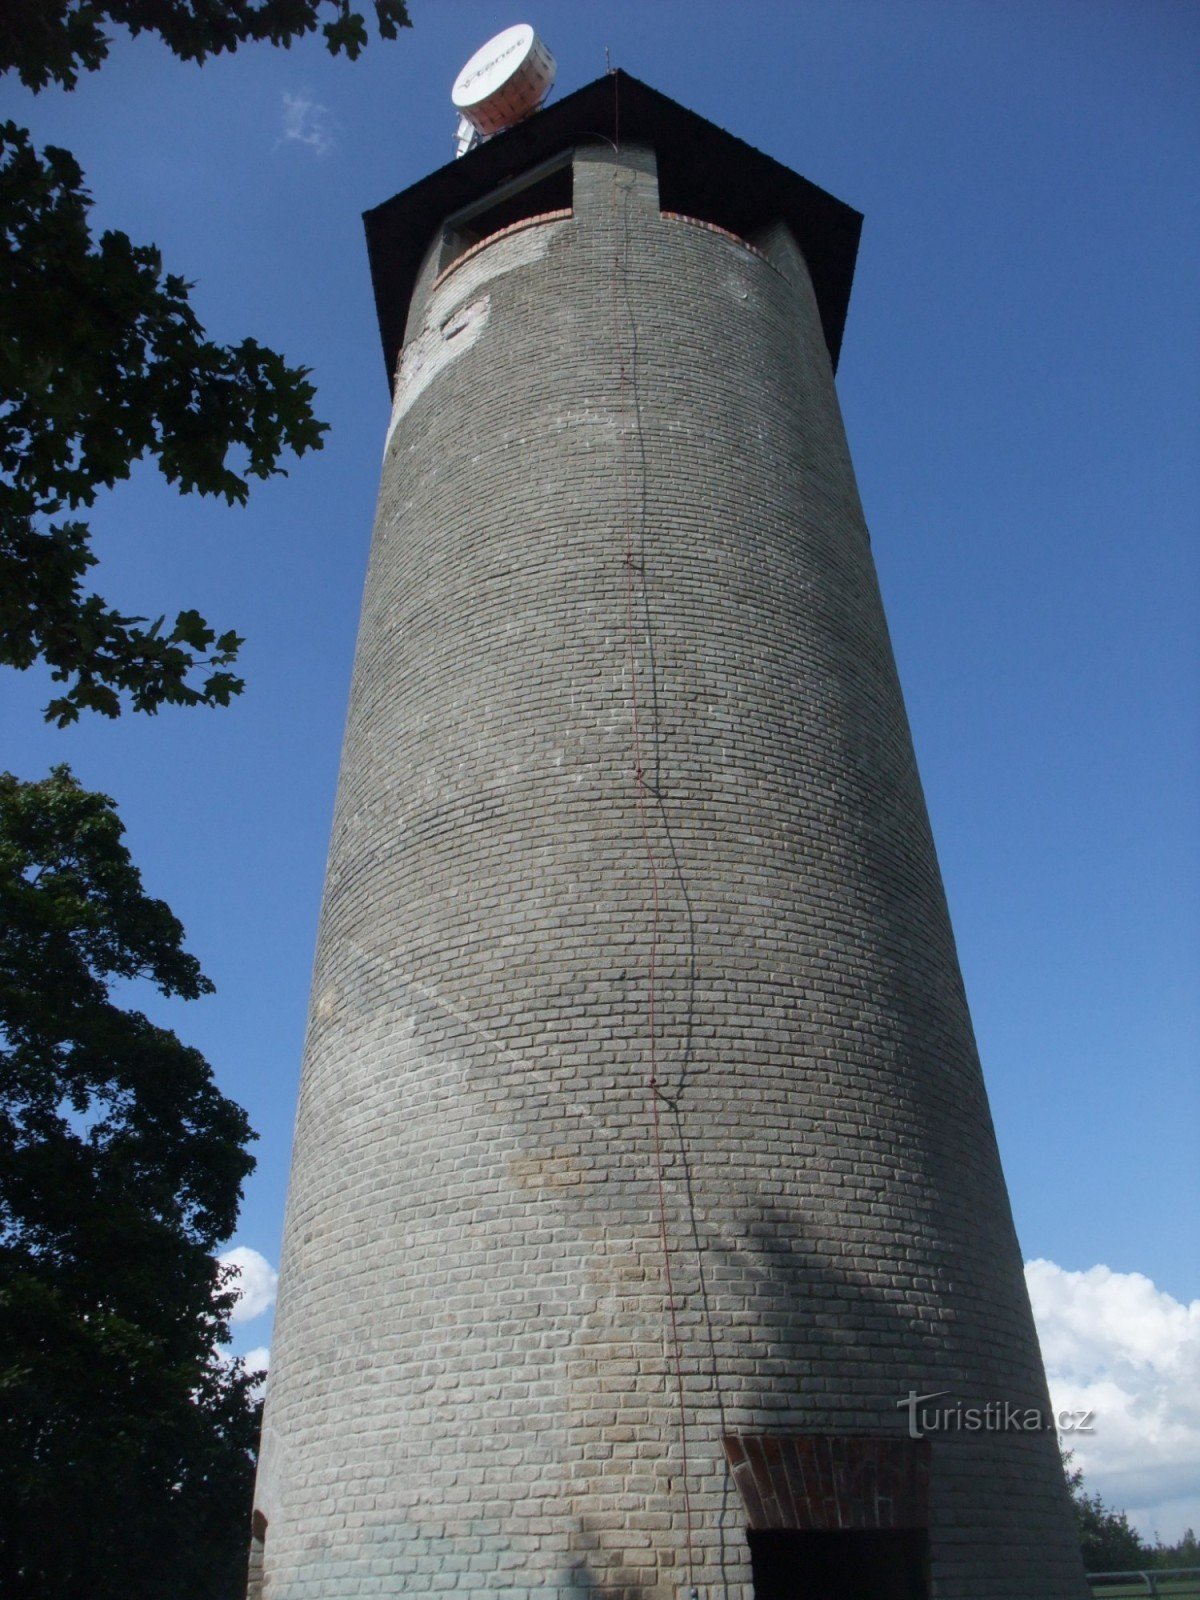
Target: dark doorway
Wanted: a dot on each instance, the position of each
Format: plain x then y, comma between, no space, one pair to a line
841,1564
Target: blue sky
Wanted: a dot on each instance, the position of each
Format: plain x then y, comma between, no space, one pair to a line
1020,384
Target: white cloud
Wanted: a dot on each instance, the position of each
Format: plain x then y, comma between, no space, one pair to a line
306,121
256,1283
1116,1345
256,1360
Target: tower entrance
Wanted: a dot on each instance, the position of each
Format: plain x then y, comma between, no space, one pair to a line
834,1517
840,1564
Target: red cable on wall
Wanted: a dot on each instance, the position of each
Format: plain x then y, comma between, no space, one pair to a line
627,385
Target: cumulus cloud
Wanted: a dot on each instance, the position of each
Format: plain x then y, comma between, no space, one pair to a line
256,1283
1116,1345
258,1360
306,121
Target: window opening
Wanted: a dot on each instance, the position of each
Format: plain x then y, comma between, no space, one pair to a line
698,192
538,192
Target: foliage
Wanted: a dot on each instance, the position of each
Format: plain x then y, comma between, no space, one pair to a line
103,363
1184,1553
126,1444
1108,1542
51,41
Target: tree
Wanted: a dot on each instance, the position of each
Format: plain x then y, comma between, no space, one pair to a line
50,41
126,1443
103,363
1108,1542
1184,1553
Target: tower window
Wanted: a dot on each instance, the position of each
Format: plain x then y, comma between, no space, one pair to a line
697,192
547,188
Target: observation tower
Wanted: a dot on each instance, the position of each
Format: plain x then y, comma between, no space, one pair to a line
646,1232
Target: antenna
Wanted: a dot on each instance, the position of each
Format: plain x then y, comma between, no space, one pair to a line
505,81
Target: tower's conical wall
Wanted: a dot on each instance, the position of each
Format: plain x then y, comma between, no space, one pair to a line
643,1166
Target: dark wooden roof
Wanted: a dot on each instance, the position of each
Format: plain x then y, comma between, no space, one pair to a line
695,157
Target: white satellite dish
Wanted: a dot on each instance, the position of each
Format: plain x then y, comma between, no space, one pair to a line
504,82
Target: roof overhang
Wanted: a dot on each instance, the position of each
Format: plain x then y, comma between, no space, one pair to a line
692,154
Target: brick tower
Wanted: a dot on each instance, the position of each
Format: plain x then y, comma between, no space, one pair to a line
643,1169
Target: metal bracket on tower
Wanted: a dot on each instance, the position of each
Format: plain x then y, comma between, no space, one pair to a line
466,137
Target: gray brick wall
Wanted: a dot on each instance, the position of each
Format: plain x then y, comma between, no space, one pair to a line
473,1388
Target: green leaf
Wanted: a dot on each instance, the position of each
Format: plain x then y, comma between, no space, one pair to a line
52,41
